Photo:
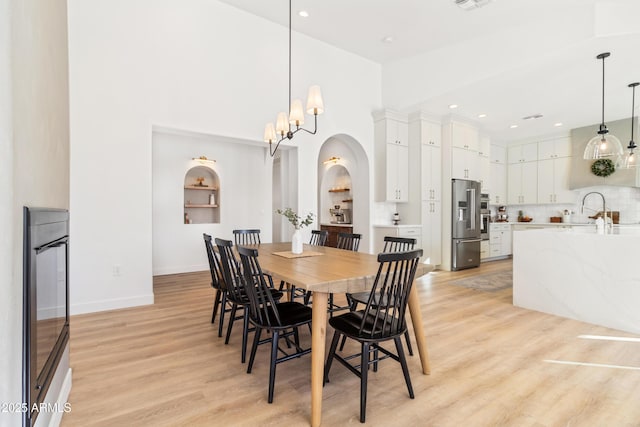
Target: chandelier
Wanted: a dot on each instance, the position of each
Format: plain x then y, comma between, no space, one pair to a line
603,145
284,127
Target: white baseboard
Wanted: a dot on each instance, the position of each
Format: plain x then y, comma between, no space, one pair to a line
63,398
111,304
180,269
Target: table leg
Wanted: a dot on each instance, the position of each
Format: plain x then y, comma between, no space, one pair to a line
318,338
418,330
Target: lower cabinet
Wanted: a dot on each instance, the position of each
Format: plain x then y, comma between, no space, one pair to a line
332,239
432,232
499,240
409,231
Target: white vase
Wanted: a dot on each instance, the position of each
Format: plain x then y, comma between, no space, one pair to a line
296,242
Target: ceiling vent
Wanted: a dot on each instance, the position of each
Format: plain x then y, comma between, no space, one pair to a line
471,4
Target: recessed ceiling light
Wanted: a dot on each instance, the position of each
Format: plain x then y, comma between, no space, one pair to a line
387,39
513,126
453,106
303,13
482,116
557,124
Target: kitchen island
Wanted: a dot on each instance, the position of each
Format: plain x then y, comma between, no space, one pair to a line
579,274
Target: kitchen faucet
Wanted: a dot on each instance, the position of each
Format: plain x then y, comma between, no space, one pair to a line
604,205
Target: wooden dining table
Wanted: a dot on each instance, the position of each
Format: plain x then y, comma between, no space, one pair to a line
324,270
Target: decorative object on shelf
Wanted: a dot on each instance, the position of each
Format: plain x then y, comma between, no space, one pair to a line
298,223
315,106
629,160
332,159
603,167
200,181
212,199
603,145
396,218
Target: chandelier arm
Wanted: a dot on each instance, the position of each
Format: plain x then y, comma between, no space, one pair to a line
315,126
272,153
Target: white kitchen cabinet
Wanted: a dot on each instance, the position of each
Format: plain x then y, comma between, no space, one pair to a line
498,183
499,240
464,136
485,174
465,164
485,249
407,231
391,157
553,181
498,154
554,148
431,172
522,153
432,232
522,185
484,147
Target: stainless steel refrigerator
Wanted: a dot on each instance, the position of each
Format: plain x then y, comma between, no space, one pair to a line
465,224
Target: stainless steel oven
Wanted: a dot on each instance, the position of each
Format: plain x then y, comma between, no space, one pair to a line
485,216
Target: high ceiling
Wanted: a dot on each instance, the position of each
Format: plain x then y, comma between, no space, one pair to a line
538,56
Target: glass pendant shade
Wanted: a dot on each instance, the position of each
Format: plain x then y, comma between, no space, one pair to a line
314,101
269,133
296,115
282,125
630,159
603,147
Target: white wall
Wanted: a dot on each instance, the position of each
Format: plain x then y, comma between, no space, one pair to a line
34,155
244,196
196,65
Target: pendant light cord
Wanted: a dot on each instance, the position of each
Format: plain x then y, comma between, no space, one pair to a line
633,102
289,63
602,90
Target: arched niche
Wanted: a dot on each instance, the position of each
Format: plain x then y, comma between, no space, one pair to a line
352,164
201,196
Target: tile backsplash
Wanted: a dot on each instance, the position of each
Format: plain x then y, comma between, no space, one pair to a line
626,200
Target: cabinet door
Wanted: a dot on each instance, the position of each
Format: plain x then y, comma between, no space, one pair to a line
529,182
432,134
458,163
498,183
432,232
514,184
546,181
431,172
402,168
498,154
529,152
485,174
561,169
505,244
392,172
484,147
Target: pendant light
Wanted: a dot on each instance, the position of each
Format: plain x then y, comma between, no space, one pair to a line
283,128
630,157
603,145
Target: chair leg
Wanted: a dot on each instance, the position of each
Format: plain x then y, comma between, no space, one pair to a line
233,316
245,332
307,297
331,305
408,340
332,353
272,369
364,373
224,310
254,349
403,363
216,304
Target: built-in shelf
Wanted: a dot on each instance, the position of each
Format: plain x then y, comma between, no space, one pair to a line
201,196
347,201
199,187
339,190
200,206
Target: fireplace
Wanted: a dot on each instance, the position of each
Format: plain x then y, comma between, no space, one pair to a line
45,302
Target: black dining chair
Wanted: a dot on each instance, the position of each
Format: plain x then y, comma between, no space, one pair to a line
282,320
318,238
391,244
217,283
247,237
382,319
236,291
349,242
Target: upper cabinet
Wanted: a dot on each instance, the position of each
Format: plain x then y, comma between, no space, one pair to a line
554,148
498,175
465,163
523,153
391,133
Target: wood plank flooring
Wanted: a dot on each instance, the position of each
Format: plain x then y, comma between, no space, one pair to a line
164,365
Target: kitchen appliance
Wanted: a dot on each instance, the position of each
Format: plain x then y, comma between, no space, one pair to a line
465,224
340,216
485,216
502,214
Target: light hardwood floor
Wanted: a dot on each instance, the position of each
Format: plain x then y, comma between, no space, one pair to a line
163,365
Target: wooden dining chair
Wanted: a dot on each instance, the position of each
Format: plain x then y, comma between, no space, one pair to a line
247,237
318,238
383,319
348,242
282,320
217,283
391,244
236,291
